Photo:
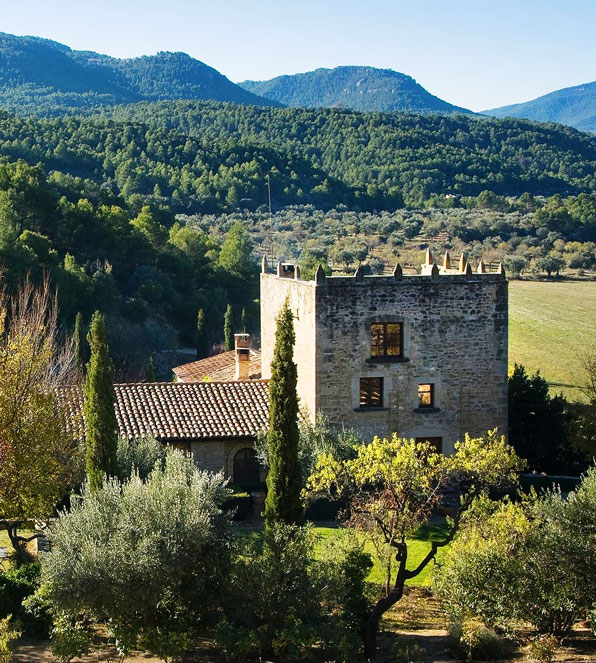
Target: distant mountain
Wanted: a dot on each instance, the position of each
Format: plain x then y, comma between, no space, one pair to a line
575,106
357,88
37,74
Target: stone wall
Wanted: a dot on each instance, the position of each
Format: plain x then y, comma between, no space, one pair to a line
455,336
218,455
301,295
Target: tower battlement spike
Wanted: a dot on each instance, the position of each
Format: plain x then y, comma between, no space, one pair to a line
447,260
320,274
397,272
463,262
434,274
428,258
481,268
264,266
359,273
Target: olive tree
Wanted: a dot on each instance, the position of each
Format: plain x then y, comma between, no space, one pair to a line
392,486
529,561
146,558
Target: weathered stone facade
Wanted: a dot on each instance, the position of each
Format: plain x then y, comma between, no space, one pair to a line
454,337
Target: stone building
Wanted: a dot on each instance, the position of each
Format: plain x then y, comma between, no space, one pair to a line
218,422
421,355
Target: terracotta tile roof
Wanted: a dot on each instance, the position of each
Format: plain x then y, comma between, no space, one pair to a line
173,411
220,368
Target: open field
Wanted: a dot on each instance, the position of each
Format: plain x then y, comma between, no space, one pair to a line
550,322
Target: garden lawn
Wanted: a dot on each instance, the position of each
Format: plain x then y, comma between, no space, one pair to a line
550,322
418,547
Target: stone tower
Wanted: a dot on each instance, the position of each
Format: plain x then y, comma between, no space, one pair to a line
421,355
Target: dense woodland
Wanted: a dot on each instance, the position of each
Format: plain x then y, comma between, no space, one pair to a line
130,211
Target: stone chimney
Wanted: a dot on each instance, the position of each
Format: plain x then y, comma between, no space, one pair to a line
242,354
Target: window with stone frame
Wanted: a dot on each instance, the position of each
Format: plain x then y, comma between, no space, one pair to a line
386,339
371,392
426,395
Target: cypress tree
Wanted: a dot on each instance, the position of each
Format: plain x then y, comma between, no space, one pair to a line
79,342
284,480
243,320
228,329
150,371
202,346
98,407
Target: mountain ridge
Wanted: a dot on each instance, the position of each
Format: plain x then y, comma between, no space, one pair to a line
38,71
574,106
357,87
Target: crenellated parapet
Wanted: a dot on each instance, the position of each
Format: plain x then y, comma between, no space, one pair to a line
446,272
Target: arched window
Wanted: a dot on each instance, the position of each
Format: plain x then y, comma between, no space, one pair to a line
246,468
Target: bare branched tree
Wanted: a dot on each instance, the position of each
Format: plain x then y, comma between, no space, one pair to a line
38,455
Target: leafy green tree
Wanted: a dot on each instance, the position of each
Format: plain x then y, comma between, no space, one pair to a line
201,339
79,343
392,488
236,255
149,560
284,479
39,459
530,561
540,425
101,428
229,329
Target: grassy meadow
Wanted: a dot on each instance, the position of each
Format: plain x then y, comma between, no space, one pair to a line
550,322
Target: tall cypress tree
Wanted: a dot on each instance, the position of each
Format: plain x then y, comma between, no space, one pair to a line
202,345
150,371
244,320
98,407
229,329
79,342
284,480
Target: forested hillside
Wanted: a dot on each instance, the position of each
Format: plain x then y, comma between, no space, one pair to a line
94,202
358,88
391,159
575,106
44,77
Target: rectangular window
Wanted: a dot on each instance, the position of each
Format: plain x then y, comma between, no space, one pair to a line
435,442
371,392
426,395
386,339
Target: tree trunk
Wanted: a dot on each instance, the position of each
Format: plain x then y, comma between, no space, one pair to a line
18,542
371,627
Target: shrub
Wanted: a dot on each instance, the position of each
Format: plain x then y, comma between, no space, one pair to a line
8,635
69,639
16,587
543,648
301,601
410,652
472,640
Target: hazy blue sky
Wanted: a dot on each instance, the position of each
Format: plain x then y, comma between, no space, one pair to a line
474,53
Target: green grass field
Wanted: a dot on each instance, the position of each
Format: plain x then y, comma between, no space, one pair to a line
550,322
418,547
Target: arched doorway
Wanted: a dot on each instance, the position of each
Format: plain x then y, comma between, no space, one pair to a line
246,471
